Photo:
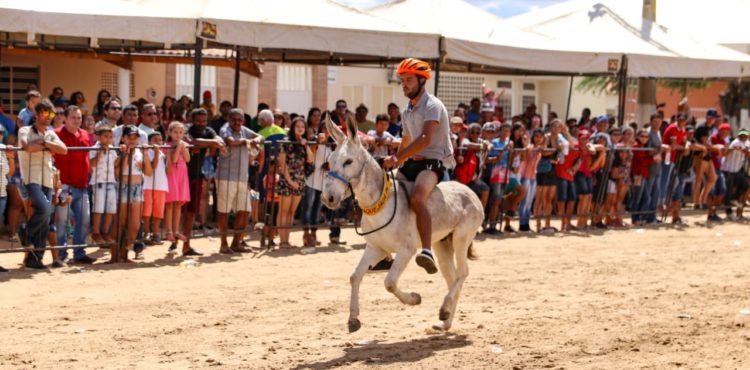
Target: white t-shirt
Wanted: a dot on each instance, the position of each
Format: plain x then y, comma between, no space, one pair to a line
3,172
380,151
104,171
159,180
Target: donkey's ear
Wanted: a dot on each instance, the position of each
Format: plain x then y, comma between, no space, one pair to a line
334,130
351,128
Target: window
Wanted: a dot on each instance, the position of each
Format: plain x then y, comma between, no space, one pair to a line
506,102
527,100
528,95
294,88
458,88
184,81
13,83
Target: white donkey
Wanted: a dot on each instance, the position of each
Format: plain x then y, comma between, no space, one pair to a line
456,216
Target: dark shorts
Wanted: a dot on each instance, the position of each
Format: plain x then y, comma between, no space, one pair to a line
584,184
546,178
566,191
411,168
196,190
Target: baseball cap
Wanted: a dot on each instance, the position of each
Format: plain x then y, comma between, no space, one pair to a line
489,127
487,107
725,126
601,119
712,113
682,116
129,130
487,90
743,132
584,133
207,93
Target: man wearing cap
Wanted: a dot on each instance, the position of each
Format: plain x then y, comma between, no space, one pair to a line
35,161
425,152
732,168
208,104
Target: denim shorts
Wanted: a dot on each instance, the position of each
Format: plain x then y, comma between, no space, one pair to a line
566,191
720,188
479,186
584,184
136,193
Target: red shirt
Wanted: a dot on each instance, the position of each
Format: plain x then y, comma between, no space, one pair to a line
641,161
674,131
716,157
585,167
565,170
74,166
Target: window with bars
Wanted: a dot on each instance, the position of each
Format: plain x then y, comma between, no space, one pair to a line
457,88
13,83
506,102
527,100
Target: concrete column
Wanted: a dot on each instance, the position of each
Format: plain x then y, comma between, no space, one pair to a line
252,95
123,85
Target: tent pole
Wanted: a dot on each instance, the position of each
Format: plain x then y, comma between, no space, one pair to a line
570,94
623,90
197,69
236,93
437,64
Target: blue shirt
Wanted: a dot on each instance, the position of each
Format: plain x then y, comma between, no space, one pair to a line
8,125
26,116
472,117
497,146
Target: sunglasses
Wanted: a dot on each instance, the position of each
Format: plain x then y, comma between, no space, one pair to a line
152,114
48,115
341,107
59,113
115,108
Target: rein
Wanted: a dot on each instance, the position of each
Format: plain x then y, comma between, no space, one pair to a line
386,184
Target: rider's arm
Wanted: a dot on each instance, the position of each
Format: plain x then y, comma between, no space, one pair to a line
409,149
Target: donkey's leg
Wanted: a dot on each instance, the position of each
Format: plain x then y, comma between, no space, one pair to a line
444,253
370,257
403,257
448,310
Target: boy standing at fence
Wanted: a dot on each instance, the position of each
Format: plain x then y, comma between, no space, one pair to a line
39,144
104,184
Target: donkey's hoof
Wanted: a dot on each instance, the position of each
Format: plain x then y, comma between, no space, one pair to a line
444,315
417,298
440,327
354,325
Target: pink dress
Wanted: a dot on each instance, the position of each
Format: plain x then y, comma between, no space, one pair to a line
179,187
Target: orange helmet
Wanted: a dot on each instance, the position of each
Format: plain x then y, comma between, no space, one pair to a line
414,66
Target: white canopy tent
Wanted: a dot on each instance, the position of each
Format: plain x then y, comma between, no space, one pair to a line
480,39
145,20
318,25
652,50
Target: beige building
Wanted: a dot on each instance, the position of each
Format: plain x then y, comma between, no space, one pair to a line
290,87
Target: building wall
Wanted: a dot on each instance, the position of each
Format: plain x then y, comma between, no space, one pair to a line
698,100
86,75
364,85
267,85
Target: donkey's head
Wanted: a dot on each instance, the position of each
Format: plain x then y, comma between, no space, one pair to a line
345,165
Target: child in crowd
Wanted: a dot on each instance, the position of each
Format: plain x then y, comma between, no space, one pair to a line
382,143
103,181
270,181
88,124
528,173
546,179
177,178
58,200
130,167
499,158
620,182
155,188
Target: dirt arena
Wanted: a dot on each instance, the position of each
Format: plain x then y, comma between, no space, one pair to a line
633,298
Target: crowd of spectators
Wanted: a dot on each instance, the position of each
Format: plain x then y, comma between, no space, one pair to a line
128,176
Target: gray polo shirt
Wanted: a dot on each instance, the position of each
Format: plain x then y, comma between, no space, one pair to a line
233,166
430,108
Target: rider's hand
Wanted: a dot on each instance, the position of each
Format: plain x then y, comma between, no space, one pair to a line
389,163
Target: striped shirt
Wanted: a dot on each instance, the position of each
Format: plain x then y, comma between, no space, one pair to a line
735,159
3,173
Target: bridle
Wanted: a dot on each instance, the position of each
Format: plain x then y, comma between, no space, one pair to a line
387,178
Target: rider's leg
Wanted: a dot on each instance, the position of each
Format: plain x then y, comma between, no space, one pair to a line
423,186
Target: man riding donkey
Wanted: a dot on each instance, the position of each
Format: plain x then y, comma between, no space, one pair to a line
426,150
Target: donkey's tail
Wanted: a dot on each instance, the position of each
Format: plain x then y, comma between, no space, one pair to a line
470,254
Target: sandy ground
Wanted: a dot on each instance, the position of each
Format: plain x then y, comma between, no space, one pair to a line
644,298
